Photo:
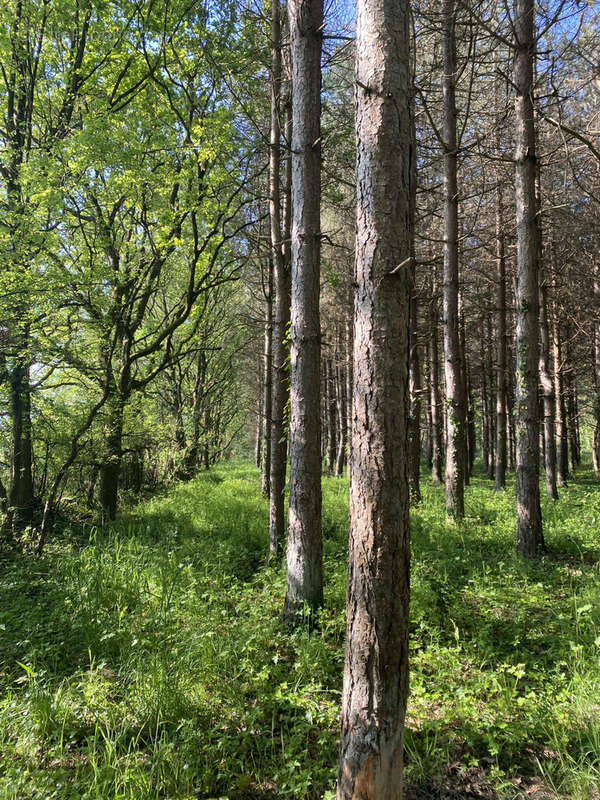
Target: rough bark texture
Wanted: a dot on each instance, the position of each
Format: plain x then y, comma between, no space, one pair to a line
530,540
376,668
281,320
414,470
455,405
304,552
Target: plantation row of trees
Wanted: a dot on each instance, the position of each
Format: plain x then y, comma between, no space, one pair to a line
181,213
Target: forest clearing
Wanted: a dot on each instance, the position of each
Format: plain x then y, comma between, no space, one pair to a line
151,660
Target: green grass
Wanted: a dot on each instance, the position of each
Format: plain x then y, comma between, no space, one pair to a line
149,661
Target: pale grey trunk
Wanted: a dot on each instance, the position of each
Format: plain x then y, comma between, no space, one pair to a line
376,666
530,539
455,417
437,451
548,399
596,317
342,417
501,355
304,551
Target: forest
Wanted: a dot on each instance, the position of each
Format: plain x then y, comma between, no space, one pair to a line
299,399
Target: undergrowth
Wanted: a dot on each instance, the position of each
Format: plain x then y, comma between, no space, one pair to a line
150,661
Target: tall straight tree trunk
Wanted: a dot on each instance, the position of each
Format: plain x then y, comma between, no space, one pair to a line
485,422
596,318
530,539
376,666
415,406
331,403
259,424
548,400
267,382
562,443
342,408
414,430
455,403
490,400
501,354
305,544
282,288
572,415
437,450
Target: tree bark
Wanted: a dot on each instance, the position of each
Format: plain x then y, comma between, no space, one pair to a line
267,382
331,402
342,416
455,404
501,354
437,451
376,666
304,552
548,399
281,249
596,317
530,539
21,499
110,468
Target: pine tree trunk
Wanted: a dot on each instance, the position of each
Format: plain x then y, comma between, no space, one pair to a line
596,442
304,551
331,416
281,350
501,354
342,421
530,539
548,400
376,666
267,383
455,402
437,438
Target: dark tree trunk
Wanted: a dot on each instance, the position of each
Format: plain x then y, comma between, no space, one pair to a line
110,468
267,383
21,498
414,428
331,402
530,539
305,545
376,666
281,351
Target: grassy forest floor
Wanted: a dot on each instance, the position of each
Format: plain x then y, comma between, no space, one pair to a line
149,661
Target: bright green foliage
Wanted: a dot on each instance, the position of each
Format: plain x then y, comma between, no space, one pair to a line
149,661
